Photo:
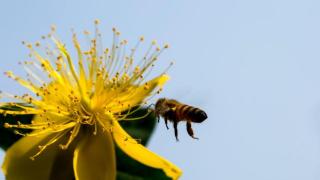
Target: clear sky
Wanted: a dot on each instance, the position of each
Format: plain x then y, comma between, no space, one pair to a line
252,65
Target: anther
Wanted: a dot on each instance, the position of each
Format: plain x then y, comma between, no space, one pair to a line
63,147
37,44
96,22
86,32
53,28
6,125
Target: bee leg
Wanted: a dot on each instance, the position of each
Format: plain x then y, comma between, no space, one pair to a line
175,125
158,118
190,131
166,121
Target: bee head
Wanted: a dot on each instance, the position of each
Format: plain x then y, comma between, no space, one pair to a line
160,102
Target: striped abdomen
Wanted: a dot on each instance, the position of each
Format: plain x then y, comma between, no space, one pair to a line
186,112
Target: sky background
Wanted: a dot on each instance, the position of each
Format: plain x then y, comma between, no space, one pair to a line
253,66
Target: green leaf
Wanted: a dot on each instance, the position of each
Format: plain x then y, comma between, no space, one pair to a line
8,135
140,129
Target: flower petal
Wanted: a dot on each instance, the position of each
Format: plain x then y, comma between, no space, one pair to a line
137,94
62,167
138,152
94,157
18,165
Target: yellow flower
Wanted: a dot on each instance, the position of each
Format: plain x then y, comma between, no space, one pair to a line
77,112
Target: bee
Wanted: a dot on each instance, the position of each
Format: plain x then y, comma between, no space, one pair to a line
175,112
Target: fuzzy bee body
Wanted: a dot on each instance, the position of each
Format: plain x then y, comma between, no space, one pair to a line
175,112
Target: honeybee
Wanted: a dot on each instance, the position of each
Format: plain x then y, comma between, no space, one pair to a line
175,112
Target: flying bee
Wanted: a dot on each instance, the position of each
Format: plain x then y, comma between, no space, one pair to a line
175,112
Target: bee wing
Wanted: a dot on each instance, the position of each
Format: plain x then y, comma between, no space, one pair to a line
164,109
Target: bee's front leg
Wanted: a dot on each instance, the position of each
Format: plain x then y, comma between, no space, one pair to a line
175,126
166,122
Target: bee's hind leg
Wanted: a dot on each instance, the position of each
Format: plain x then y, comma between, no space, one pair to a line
175,126
190,131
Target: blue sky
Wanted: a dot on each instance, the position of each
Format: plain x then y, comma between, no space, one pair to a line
253,66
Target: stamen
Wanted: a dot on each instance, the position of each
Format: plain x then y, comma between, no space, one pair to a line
50,142
73,133
95,128
135,118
